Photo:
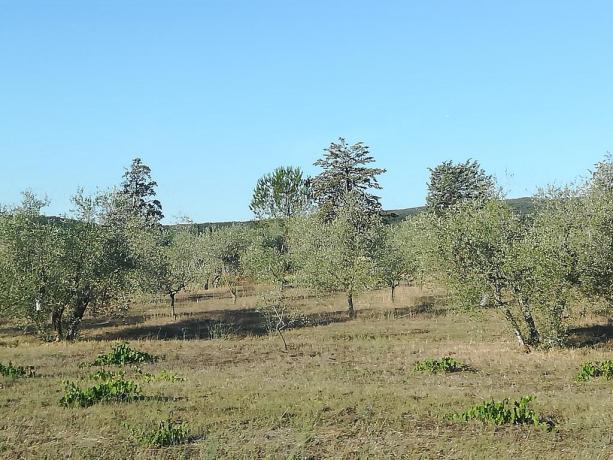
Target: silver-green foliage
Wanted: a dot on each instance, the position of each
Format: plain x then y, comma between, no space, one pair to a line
222,252
54,269
484,250
533,268
338,254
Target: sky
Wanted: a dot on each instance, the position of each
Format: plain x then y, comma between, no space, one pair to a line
214,94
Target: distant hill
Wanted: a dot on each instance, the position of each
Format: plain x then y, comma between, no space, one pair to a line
523,205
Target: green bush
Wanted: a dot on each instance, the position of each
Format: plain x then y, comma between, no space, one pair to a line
123,354
166,433
105,375
14,372
596,369
443,365
114,390
503,413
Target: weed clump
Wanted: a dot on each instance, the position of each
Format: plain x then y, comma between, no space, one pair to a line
123,354
14,372
166,433
504,413
105,375
596,369
437,366
221,330
115,389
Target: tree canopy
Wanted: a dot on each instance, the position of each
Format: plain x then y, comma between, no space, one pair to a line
281,194
344,170
139,189
452,183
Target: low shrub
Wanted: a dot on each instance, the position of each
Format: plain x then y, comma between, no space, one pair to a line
123,354
221,330
105,375
596,369
14,372
443,365
113,390
166,433
503,413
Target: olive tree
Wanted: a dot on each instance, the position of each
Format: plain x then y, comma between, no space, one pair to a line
414,239
266,260
391,262
472,248
168,262
527,267
31,250
595,241
60,268
337,255
222,251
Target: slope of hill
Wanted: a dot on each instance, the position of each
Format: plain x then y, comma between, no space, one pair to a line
523,205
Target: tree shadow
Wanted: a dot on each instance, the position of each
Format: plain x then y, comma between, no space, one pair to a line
217,294
212,324
589,336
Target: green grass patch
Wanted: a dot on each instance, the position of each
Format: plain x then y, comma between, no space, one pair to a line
505,412
14,372
444,365
113,390
166,433
596,369
123,354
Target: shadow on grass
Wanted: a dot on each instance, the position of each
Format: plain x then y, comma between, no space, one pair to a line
238,323
217,294
212,324
589,336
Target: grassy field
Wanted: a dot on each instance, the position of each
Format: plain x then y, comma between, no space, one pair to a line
345,389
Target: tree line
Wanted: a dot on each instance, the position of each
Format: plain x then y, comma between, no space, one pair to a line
325,233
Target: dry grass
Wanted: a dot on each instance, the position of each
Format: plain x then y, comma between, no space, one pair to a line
344,390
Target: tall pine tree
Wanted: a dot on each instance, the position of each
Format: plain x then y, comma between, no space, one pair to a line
345,171
139,190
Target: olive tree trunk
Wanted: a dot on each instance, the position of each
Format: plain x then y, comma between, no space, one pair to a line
56,323
350,308
172,295
535,337
75,321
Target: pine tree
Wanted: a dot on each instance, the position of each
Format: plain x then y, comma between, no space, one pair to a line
345,171
281,194
452,183
139,189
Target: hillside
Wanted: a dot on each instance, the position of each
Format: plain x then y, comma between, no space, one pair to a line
523,205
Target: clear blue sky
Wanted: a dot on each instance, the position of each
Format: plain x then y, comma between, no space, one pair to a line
213,94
